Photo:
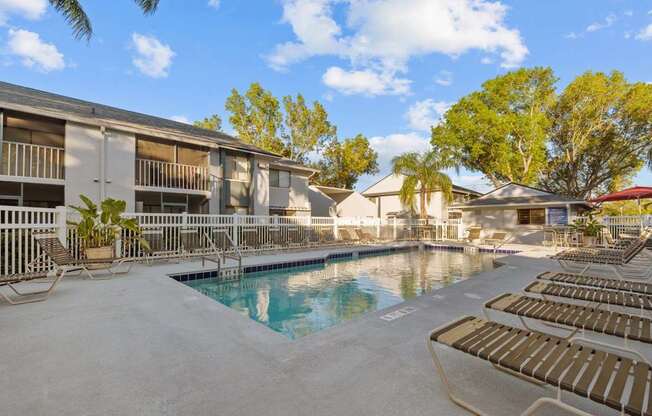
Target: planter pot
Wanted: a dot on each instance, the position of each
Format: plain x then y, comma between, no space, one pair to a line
589,241
99,253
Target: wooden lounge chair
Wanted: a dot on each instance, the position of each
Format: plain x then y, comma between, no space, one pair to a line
157,249
497,239
613,379
19,297
65,263
473,234
327,237
592,295
597,282
576,318
633,261
347,237
364,236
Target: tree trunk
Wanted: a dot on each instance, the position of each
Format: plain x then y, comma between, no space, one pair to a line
422,200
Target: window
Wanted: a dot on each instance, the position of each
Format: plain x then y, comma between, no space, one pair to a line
236,168
279,178
535,216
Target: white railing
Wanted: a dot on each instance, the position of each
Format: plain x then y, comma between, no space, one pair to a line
229,233
156,174
32,161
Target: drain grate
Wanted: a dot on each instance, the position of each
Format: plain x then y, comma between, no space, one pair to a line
399,313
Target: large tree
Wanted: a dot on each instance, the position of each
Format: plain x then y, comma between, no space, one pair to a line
76,17
344,162
305,130
213,122
501,130
422,176
256,117
601,135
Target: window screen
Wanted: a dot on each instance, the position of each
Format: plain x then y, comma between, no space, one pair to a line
279,178
535,216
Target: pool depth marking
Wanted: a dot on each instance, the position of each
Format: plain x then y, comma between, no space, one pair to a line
399,313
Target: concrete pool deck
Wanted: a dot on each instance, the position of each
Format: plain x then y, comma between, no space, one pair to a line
145,344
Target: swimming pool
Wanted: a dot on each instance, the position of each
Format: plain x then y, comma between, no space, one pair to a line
299,301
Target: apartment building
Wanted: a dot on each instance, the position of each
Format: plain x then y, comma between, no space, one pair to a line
54,148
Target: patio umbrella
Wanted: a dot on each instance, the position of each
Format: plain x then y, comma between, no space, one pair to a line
635,193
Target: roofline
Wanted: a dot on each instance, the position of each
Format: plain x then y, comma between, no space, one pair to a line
529,204
471,191
334,188
518,184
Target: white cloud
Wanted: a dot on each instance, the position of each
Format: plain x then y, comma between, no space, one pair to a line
573,35
28,9
33,51
214,4
628,13
396,144
424,114
468,180
154,58
383,35
445,78
181,119
486,60
367,82
645,33
608,21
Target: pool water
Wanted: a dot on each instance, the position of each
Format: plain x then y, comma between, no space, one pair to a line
299,301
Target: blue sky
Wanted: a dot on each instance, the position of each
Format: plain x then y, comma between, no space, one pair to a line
383,68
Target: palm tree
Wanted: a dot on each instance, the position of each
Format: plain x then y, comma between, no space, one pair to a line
75,15
422,175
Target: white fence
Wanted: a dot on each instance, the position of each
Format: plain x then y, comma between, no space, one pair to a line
617,226
169,233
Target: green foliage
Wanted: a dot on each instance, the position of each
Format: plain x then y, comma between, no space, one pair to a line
306,130
214,123
101,227
422,176
76,17
501,130
601,135
344,162
256,117
587,225
626,208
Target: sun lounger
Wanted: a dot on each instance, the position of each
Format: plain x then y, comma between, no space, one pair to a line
612,379
597,282
326,236
365,237
157,245
65,263
633,262
598,296
473,233
347,237
190,242
20,297
597,320
496,239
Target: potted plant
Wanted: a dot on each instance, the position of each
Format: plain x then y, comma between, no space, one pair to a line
98,229
590,229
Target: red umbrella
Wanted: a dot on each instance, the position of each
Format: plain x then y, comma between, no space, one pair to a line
634,193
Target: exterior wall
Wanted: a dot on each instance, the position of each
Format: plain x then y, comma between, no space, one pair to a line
437,207
82,162
215,176
296,197
121,167
356,205
389,203
321,205
260,189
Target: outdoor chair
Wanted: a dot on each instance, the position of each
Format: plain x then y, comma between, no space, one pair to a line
473,234
620,381
498,238
347,237
157,250
190,242
65,263
312,237
364,236
249,239
294,237
609,242
19,297
633,261
327,237
597,281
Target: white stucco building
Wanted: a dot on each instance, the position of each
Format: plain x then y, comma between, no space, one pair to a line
384,194
520,210
54,148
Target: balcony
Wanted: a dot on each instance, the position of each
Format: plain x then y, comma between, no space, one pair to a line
167,176
32,163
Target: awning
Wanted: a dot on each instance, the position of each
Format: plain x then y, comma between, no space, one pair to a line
634,193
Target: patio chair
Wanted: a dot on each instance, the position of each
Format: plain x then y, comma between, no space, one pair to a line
498,238
473,233
619,381
312,237
364,236
347,237
591,295
576,318
295,239
609,242
597,281
327,237
18,297
65,263
190,242
633,261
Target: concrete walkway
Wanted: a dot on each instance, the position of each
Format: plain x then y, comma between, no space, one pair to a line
148,345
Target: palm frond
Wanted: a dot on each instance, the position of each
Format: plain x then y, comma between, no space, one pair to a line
75,16
148,6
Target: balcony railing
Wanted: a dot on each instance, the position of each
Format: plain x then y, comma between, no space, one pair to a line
32,161
156,174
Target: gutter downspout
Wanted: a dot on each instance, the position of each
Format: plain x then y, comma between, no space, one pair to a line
105,137
2,133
